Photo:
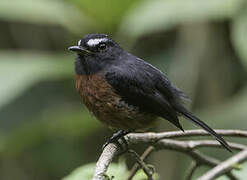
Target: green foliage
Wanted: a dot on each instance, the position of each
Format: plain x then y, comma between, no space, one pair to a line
117,171
31,68
234,109
151,16
239,39
54,125
44,12
240,173
107,13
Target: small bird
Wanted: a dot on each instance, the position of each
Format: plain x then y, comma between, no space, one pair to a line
125,92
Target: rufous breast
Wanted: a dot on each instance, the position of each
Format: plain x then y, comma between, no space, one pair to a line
108,107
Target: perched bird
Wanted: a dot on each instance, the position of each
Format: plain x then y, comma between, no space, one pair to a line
125,92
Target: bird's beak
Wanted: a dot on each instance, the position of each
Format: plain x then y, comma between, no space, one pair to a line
79,49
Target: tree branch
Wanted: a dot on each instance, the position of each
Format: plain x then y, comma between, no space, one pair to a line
203,159
188,133
159,142
194,165
225,166
149,172
104,161
136,166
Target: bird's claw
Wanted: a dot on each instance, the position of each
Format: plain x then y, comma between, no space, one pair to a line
119,135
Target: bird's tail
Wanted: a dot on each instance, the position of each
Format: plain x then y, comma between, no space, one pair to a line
204,126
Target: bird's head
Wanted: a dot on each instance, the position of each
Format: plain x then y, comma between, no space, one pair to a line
97,46
96,51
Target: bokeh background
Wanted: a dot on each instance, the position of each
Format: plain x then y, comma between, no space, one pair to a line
46,132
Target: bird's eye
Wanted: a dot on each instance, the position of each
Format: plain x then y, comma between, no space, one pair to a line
102,47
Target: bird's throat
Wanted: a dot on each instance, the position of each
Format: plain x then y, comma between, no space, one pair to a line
84,66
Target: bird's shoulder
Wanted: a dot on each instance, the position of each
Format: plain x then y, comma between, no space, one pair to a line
134,75
130,73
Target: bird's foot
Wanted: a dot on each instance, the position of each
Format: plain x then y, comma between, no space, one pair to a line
119,135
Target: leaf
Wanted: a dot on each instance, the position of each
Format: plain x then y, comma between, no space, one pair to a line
19,71
83,172
240,174
239,38
160,15
45,12
117,171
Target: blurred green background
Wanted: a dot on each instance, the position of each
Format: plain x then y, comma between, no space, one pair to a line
46,132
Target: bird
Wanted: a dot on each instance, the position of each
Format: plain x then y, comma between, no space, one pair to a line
125,92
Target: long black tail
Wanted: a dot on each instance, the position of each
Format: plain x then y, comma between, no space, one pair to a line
204,126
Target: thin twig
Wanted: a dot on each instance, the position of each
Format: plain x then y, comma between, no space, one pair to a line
136,166
189,145
158,141
188,133
189,148
204,159
194,165
149,172
225,166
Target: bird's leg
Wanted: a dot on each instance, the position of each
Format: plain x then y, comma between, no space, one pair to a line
115,137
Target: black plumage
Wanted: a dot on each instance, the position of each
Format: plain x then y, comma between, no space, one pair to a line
135,81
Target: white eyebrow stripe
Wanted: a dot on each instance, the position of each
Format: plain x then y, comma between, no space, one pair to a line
79,42
93,42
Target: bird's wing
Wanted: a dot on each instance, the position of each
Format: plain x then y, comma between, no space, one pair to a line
137,87
148,88
175,98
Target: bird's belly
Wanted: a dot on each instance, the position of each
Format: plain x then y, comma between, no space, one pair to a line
108,107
